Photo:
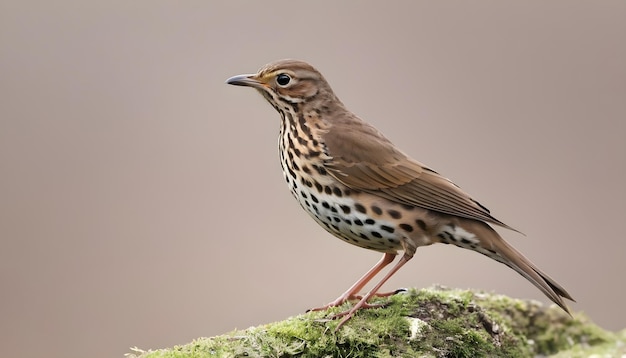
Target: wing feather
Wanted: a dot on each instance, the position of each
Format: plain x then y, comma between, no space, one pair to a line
363,159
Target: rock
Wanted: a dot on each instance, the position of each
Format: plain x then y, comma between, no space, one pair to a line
434,322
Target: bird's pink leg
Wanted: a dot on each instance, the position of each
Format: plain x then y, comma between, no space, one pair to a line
363,302
354,289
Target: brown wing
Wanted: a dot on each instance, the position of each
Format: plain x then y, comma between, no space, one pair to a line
363,159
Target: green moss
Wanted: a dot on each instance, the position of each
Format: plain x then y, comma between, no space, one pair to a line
614,347
432,322
460,328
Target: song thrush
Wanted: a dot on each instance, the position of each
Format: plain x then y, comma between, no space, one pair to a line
359,187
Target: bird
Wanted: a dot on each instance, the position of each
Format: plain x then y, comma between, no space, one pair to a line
361,188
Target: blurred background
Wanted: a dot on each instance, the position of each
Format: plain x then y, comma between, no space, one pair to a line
141,198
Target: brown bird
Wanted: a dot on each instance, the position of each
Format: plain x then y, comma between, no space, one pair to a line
359,187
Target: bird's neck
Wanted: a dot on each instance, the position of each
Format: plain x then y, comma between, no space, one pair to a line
301,148
300,133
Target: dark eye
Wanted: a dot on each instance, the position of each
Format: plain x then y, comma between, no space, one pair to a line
283,79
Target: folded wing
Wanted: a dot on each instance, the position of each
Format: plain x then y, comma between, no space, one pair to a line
369,162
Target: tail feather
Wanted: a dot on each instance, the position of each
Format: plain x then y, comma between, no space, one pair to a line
493,246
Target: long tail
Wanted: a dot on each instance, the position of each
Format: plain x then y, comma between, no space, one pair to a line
492,245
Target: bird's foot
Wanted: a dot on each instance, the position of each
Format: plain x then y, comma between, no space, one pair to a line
352,310
362,304
344,298
338,302
385,294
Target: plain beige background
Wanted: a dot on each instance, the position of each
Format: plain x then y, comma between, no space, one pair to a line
141,199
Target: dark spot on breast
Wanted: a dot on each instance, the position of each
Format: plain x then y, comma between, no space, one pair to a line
308,183
360,208
358,222
328,190
337,191
364,237
389,229
334,210
303,194
320,170
319,187
302,122
306,169
325,205
405,227
347,222
394,214
370,222
345,209
376,210
421,224
291,172
337,220
314,198
377,234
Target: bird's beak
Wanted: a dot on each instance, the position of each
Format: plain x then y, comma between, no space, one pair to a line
245,80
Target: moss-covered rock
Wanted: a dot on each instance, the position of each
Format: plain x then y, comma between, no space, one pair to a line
433,322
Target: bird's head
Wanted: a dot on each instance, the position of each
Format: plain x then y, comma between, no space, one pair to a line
285,82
